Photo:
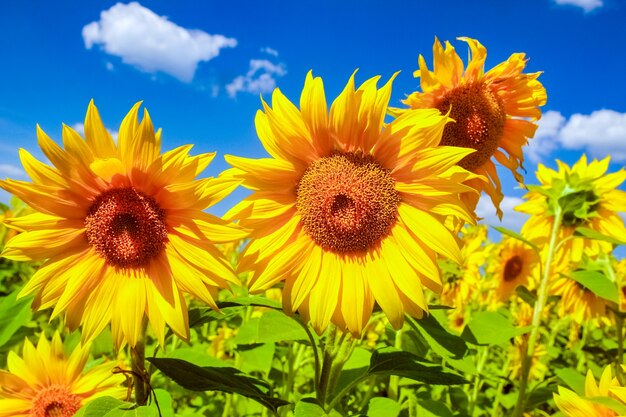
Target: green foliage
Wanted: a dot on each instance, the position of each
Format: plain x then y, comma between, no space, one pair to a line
225,379
390,361
13,315
597,283
491,328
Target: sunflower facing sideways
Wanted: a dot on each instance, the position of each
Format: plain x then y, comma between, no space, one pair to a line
121,229
494,111
45,382
587,197
348,210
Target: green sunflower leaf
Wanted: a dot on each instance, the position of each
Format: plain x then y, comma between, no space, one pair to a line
225,379
592,234
439,339
597,283
491,328
515,235
391,361
13,315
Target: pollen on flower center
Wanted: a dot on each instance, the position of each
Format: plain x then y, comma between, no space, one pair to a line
513,268
126,227
348,202
480,119
55,401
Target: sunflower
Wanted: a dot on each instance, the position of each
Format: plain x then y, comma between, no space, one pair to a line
586,196
494,111
514,264
122,229
523,316
47,383
348,210
464,284
572,405
577,302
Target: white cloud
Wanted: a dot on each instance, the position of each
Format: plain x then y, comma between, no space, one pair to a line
601,133
545,140
269,51
586,5
511,219
109,66
11,170
258,79
151,42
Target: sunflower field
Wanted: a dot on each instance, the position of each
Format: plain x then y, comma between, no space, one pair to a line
354,279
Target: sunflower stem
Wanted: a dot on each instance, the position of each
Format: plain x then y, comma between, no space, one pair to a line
394,381
619,360
337,350
482,359
138,366
539,306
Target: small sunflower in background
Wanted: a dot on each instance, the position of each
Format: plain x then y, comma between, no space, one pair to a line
513,264
121,229
494,111
45,382
523,316
349,210
573,405
586,196
577,302
464,284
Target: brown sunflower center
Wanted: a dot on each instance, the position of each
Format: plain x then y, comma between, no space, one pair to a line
513,268
126,227
55,401
348,202
479,117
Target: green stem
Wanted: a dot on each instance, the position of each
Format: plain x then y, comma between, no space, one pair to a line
316,353
337,351
539,306
477,381
394,381
619,360
496,402
141,379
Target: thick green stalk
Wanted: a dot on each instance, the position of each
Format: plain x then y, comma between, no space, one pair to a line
394,390
337,350
619,360
138,366
539,307
482,359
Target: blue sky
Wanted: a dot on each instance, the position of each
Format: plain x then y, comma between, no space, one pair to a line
200,66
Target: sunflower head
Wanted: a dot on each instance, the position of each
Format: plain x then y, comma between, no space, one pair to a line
121,229
348,210
578,302
573,405
515,264
45,382
494,111
584,196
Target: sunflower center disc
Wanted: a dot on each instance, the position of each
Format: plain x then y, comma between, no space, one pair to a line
513,268
55,401
126,227
479,125
348,202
